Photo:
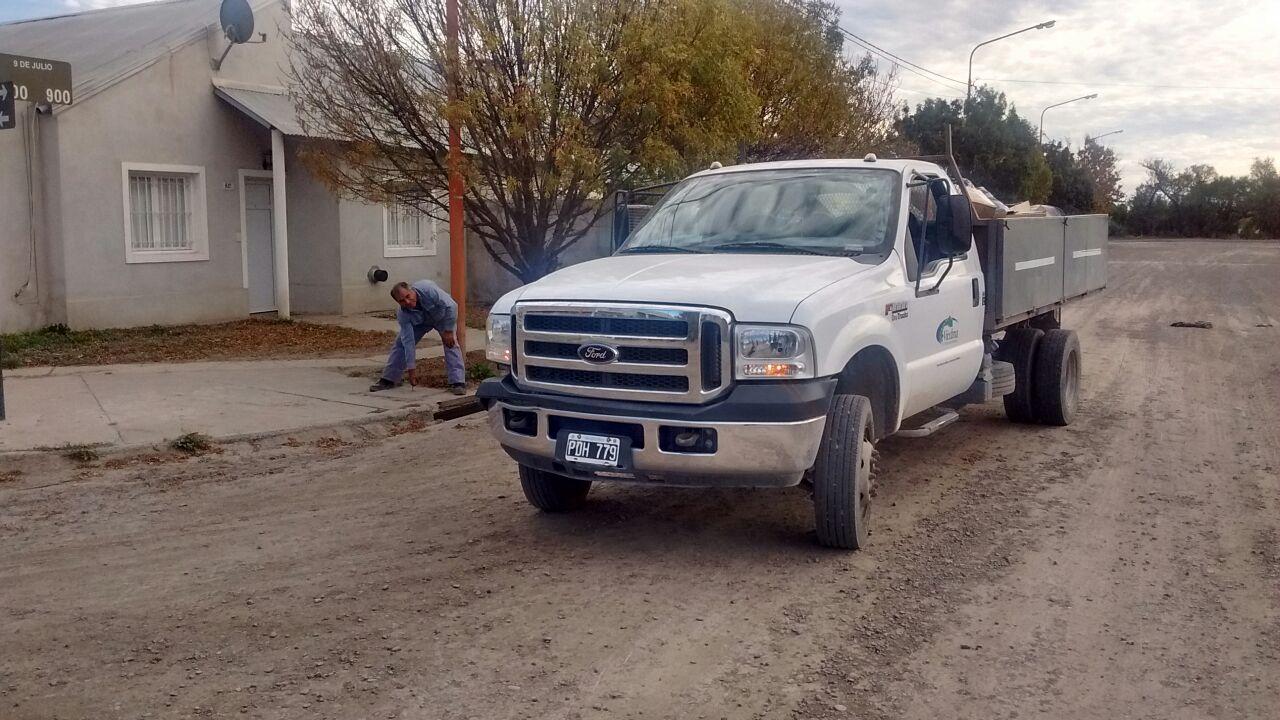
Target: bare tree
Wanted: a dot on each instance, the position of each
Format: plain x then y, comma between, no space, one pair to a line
540,100
560,101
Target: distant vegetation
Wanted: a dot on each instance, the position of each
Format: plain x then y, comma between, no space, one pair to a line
999,150
1198,202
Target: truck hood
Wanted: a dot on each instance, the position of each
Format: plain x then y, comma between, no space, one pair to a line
754,287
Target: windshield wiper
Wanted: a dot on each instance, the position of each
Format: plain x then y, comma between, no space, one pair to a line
768,245
657,249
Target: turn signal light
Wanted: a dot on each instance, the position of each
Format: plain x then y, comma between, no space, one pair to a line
773,370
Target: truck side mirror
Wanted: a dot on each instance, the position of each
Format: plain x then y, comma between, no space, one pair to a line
955,225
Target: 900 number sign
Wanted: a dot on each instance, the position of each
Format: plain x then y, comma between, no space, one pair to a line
37,79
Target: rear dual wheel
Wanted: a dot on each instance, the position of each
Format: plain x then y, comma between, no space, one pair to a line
1046,368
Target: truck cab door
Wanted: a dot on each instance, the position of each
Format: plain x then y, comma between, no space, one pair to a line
942,331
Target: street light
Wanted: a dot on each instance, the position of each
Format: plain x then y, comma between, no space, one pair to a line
1095,138
1064,102
969,86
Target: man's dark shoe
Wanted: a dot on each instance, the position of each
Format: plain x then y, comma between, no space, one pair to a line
458,389
382,384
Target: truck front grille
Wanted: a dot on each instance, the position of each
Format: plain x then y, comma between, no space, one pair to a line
647,355
590,378
607,326
657,353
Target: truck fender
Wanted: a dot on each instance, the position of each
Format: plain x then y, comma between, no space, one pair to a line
868,361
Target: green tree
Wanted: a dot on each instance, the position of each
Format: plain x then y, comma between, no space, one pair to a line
1262,204
811,100
1099,163
993,145
1072,189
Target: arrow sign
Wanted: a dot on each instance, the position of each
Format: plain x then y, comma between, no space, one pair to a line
7,114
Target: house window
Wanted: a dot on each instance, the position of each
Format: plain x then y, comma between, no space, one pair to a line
408,232
164,213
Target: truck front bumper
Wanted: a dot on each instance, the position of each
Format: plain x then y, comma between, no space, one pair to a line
766,434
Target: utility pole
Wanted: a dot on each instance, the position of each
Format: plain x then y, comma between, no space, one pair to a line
1064,102
457,233
969,85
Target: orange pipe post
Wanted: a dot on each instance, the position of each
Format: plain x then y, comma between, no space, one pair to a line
457,235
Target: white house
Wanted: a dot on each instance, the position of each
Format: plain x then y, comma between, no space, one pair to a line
172,192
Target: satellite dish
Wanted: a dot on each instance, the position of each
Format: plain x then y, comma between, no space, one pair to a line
236,18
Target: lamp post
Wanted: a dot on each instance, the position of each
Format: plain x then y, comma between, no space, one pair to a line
1095,138
969,85
1064,102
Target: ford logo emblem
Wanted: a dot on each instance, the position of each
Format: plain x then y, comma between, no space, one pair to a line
597,354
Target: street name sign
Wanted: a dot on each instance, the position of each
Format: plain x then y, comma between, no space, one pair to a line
37,80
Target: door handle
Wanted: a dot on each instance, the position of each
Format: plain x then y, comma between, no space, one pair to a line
977,295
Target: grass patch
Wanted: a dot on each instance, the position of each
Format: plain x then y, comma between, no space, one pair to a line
192,443
59,345
482,370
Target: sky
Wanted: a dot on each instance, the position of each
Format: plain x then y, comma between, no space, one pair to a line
1222,55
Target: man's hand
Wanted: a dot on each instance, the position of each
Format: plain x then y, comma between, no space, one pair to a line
448,338
412,374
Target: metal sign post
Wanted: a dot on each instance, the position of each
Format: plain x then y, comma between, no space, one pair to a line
37,80
8,116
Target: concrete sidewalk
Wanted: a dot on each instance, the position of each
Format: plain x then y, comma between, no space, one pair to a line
148,403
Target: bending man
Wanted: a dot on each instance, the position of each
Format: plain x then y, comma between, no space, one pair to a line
423,307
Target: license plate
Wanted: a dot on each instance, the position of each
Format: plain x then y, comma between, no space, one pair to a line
602,450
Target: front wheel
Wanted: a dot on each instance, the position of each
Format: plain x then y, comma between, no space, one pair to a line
551,492
843,474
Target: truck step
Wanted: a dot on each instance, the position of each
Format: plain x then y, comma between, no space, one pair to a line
945,417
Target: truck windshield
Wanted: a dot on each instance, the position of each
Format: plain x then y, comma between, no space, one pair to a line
825,211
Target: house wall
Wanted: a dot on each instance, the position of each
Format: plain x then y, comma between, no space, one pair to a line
30,268
315,284
487,281
362,242
165,114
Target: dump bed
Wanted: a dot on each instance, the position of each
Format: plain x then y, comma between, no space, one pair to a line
1034,264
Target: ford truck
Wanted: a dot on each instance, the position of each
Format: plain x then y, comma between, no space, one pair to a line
768,324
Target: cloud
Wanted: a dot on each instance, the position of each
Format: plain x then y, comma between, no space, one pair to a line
1103,44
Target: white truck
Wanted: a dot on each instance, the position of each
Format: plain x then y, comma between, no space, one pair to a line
768,324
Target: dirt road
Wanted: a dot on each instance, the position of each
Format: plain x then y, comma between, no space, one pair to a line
1127,566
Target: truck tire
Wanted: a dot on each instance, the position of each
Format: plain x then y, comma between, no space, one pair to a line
1055,382
844,474
553,493
1019,347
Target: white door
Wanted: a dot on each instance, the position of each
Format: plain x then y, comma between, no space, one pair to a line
943,328
261,239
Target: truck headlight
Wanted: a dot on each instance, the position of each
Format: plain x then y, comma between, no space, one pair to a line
772,352
497,338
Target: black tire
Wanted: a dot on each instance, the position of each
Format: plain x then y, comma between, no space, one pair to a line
1019,347
1055,382
553,493
844,474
